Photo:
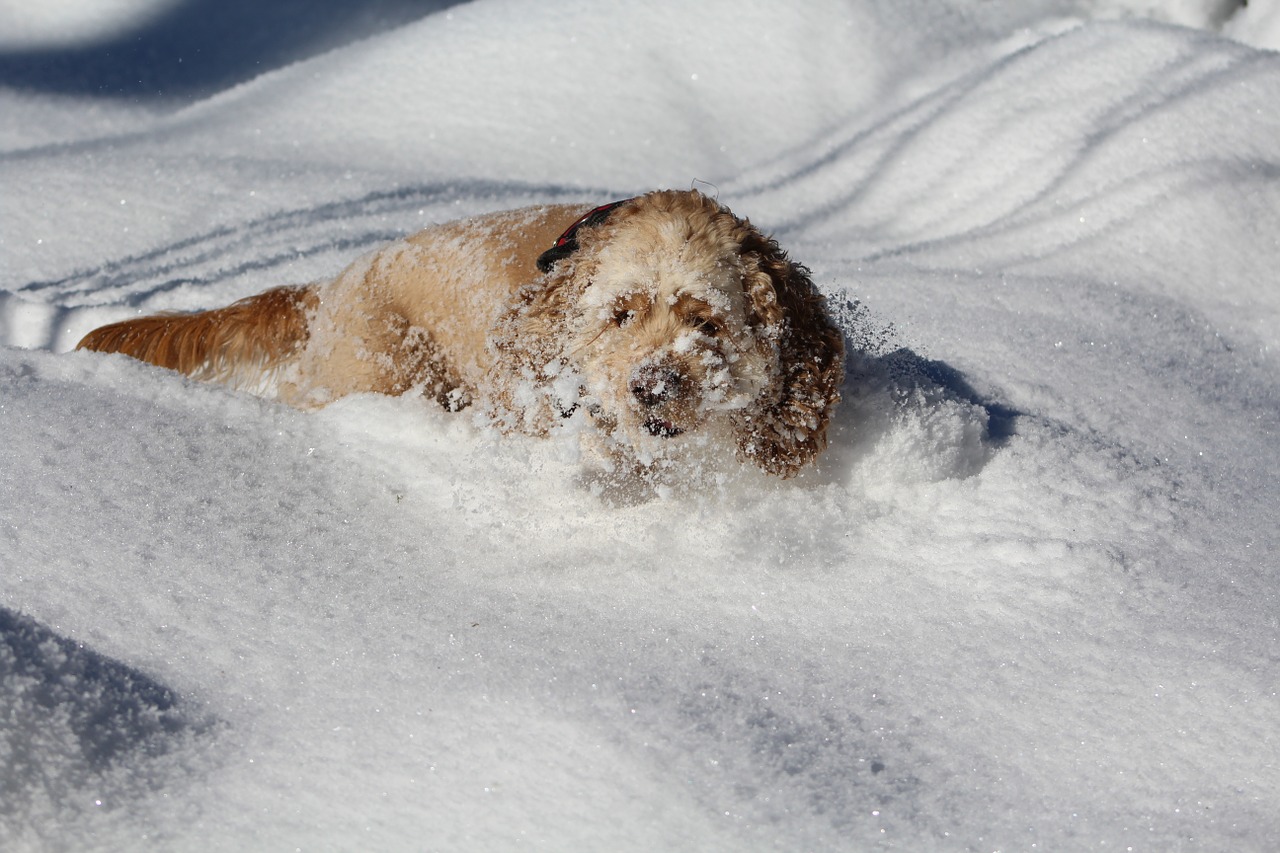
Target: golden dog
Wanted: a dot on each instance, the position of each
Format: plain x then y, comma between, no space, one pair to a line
658,317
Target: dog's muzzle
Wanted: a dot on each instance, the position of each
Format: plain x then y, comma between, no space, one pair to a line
654,385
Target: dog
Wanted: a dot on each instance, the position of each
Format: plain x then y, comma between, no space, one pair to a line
658,319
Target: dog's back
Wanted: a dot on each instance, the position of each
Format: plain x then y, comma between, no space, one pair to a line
416,313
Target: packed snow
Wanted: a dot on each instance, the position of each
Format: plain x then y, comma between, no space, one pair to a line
1028,599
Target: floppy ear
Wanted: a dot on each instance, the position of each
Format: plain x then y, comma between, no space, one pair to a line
533,382
788,426
530,376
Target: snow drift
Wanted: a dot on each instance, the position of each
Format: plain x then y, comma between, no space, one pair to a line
1027,601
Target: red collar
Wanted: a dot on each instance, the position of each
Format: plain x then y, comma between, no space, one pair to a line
567,244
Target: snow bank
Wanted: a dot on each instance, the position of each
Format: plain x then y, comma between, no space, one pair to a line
1027,599
1257,24
63,22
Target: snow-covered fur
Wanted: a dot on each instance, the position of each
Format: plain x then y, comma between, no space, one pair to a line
666,316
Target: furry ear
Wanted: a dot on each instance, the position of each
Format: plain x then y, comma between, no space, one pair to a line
532,378
529,375
788,427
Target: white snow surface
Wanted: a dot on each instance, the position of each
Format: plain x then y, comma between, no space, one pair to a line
1027,601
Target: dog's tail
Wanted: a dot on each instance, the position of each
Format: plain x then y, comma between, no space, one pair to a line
239,344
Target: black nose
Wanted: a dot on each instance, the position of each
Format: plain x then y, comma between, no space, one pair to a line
654,385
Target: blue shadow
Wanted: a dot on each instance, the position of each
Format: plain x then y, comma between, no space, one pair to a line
55,686
204,46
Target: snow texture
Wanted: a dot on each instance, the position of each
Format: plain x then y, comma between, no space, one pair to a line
1027,601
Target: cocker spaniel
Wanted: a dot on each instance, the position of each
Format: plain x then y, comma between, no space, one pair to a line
658,319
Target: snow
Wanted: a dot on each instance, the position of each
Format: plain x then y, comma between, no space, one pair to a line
1027,600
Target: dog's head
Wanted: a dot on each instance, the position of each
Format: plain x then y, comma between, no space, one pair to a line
677,318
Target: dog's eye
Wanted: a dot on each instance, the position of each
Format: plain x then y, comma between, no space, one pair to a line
623,317
705,325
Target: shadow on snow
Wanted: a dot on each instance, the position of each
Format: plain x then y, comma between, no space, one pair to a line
71,715
199,47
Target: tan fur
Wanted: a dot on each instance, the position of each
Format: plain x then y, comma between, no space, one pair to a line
672,318
235,344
